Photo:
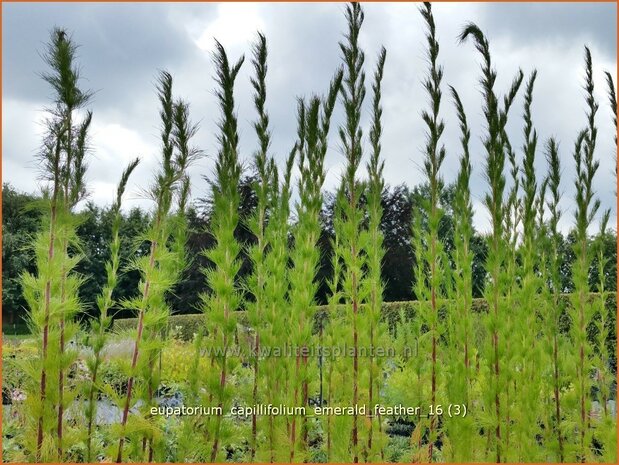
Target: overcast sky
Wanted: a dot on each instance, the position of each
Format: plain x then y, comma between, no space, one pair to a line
123,45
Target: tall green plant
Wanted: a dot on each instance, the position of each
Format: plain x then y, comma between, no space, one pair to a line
612,100
275,323
224,298
268,282
172,267
512,219
554,310
258,223
100,328
160,269
606,428
461,431
332,334
349,210
375,254
432,254
313,120
495,290
76,147
420,363
528,349
586,208
52,294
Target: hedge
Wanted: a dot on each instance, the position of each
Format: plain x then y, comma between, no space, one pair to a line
187,325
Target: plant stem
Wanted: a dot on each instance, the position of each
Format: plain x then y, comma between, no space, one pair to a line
134,356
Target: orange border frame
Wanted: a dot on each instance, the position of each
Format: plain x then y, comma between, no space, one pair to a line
288,1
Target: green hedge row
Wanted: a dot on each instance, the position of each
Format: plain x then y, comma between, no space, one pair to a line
182,326
186,326
15,329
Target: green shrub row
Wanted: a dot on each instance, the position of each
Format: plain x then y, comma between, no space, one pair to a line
185,326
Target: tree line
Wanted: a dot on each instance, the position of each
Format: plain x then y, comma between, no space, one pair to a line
20,222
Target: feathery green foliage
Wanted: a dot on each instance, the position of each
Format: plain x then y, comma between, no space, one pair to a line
160,270
105,301
553,305
586,208
375,253
606,429
313,122
225,297
494,143
350,215
52,294
612,99
461,374
269,282
432,253
527,351
263,166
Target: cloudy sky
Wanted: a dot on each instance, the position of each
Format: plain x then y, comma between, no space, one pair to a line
124,45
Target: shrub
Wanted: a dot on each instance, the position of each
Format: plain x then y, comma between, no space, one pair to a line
186,326
13,374
177,363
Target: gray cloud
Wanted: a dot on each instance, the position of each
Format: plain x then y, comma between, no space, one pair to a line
118,43
123,46
558,23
